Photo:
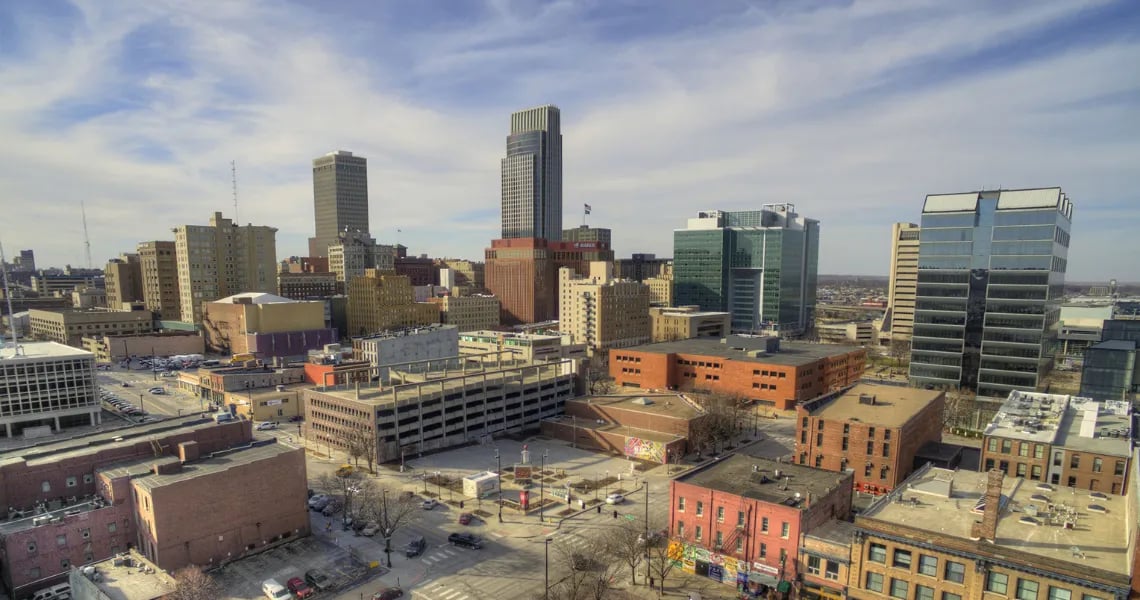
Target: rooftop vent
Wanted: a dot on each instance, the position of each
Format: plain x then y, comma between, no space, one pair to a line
1098,496
643,401
1029,521
1044,487
1096,508
868,399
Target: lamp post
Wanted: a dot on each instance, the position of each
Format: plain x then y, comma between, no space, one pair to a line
541,486
607,483
438,490
142,402
546,588
596,486
387,529
499,476
647,541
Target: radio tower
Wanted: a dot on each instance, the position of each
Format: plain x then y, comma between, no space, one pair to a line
86,238
233,174
8,296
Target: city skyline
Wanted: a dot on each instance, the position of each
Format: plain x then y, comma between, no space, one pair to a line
149,106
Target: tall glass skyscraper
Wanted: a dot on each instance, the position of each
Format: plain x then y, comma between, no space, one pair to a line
759,265
991,273
532,175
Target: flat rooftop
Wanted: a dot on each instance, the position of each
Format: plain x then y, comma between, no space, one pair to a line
126,581
1033,520
790,353
669,405
218,463
41,350
452,381
1066,421
755,478
893,405
834,531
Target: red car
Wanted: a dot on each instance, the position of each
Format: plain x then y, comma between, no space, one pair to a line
465,518
388,594
299,587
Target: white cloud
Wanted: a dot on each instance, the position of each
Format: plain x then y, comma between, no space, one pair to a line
853,113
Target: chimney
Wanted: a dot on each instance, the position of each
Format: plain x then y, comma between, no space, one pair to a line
986,529
188,452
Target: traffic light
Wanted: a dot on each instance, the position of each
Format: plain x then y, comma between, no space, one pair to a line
615,514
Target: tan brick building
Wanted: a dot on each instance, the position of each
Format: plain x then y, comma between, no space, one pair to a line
1063,440
684,322
159,266
825,560
873,430
469,313
660,291
266,325
123,280
770,371
305,286
70,326
600,311
964,535
222,259
903,284
382,300
110,348
520,346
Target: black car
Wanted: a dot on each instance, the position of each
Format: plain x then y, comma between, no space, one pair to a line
465,540
415,547
318,580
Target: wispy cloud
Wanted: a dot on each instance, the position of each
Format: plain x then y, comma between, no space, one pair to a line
853,111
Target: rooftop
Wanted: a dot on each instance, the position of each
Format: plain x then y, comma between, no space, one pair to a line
510,335
218,462
41,350
406,331
834,531
128,578
881,405
1116,345
1033,520
254,298
669,405
1066,421
756,478
790,353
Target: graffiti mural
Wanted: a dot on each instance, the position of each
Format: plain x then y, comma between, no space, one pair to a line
645,449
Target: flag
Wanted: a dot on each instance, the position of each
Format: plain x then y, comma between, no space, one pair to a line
587,208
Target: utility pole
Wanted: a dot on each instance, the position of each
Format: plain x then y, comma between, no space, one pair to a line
541,486
546,589
499,475
8,296
647,540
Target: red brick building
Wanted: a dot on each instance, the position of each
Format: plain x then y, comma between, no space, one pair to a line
874,430
770,371
655,428
742,518
523,274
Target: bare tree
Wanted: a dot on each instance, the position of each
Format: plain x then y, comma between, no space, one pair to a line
582,576
720,422
389,508
959,408
347,486
625,543
900,351
598,375
190,583
662,558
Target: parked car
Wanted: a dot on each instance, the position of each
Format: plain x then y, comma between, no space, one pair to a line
465,518
370,529
154,389
615,498
318,579
158,392
388,594
331,508
429,504
125,384
358,525
266,425
318,501
296,418
299,587
465,540
274,590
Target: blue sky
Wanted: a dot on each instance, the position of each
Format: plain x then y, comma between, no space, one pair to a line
853,111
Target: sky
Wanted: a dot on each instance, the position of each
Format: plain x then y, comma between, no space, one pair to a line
852,111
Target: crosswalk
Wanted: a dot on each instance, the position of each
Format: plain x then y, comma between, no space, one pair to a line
440,556
476,588
434,590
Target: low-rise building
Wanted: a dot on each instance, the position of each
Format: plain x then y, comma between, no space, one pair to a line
685,322
527,347
742,519
69,326
469,313
306,286
112,348
127,576
872,430
404,345
84,298
1063,440
46,385
265,325
956,535
216,384
860,333
768,370
825,560
654,428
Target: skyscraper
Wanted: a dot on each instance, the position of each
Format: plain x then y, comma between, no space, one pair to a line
904,278
159,266
340,198
991,274
123,280
532,175
758,265
222,259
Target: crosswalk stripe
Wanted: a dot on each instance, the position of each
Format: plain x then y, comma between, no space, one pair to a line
450,595
428,560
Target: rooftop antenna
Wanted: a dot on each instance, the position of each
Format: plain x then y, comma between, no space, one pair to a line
86,238
233,175
8,296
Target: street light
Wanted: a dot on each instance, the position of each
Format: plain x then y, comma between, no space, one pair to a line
646,486
499,476
438,490
541,486
348,492
546,589
387,529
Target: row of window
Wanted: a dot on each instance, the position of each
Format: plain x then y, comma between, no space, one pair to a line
785,527
766,373
698,363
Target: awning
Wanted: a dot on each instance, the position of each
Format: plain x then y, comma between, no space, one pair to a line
783,587
759,577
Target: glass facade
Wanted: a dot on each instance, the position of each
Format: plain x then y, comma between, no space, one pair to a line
698,268
532,175
990,281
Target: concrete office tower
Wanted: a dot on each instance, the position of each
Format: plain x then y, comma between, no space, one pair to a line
123,280
159,266
532,175
991,273
340,198
585,233
355,252
904,279
603,312
222,259
25,261
46,384
759,265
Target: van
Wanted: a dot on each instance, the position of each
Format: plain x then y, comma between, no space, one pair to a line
415,547
55,592
274,590
223,417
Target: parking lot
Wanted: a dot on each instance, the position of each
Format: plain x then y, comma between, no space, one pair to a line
242,579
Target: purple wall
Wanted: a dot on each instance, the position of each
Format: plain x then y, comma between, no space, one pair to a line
291,343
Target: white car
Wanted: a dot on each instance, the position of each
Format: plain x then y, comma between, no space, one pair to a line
266,425
615,498
429,504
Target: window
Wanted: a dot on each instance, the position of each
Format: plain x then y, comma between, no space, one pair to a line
870,447
740,518
1023,449
1036,473
112,527
34,573
1026,589
992,446
698,534
1021,469
680,505
719,539
813,565
45,486
1056,459
886,450
764,525
739,544
1075,461
887,434
680,529
1090,597
1056,593
1038,451
927,565
1072,481
921,592
1006,446
763,550
949,596
72,481
61,539
877,553
819,439
831,571
1097,464
874,582
997,582
867,470
818,460
720,514
899,588
870,432
785,530
700,508
844,448
955,572
901,560
1119,468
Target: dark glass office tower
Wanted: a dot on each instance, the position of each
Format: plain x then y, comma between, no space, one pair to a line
758,265
991,273
532,175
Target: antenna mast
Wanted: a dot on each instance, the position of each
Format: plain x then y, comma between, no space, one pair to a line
86,238
233,175
8,296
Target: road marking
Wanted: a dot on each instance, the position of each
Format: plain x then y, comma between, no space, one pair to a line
428,560
449,552
450,595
